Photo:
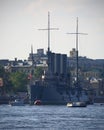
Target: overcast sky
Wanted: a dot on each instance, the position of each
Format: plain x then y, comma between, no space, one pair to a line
21,19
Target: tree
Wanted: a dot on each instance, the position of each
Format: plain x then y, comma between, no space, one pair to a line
7,85
38,72
102,74
2,71
19,81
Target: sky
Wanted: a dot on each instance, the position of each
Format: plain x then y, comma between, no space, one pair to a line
20,21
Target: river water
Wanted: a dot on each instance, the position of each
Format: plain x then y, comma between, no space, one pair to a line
51,117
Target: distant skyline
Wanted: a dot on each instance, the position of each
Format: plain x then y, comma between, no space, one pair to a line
21,19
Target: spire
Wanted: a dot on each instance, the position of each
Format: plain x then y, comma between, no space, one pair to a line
32,56
31,49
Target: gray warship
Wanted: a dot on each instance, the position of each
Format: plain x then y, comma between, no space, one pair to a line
54,87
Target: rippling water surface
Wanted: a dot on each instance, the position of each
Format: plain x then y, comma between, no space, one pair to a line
51,118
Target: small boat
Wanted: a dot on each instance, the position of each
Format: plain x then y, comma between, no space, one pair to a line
99,104
37,102
76,104
17,102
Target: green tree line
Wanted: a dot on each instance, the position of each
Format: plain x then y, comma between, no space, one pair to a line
17,81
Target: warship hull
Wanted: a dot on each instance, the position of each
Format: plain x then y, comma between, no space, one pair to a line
54,95
49,95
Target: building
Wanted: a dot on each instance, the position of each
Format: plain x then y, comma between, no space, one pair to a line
38,58
40,52
73,53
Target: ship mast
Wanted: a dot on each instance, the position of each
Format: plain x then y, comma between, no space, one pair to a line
77,65
32,57
49,52
48,32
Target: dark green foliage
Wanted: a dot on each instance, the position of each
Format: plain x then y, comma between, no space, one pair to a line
13,81
16,81
19,81
2,71
7,85
102,74
38,72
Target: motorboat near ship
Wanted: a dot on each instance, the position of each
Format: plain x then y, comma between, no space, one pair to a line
17,102
37,102
76,104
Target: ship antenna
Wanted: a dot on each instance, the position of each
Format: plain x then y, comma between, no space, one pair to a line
77,66
32,56
49,29
33,62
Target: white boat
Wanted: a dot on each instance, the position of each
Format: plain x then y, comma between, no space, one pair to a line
17,102
76,104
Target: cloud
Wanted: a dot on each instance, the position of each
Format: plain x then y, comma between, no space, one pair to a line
43,6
